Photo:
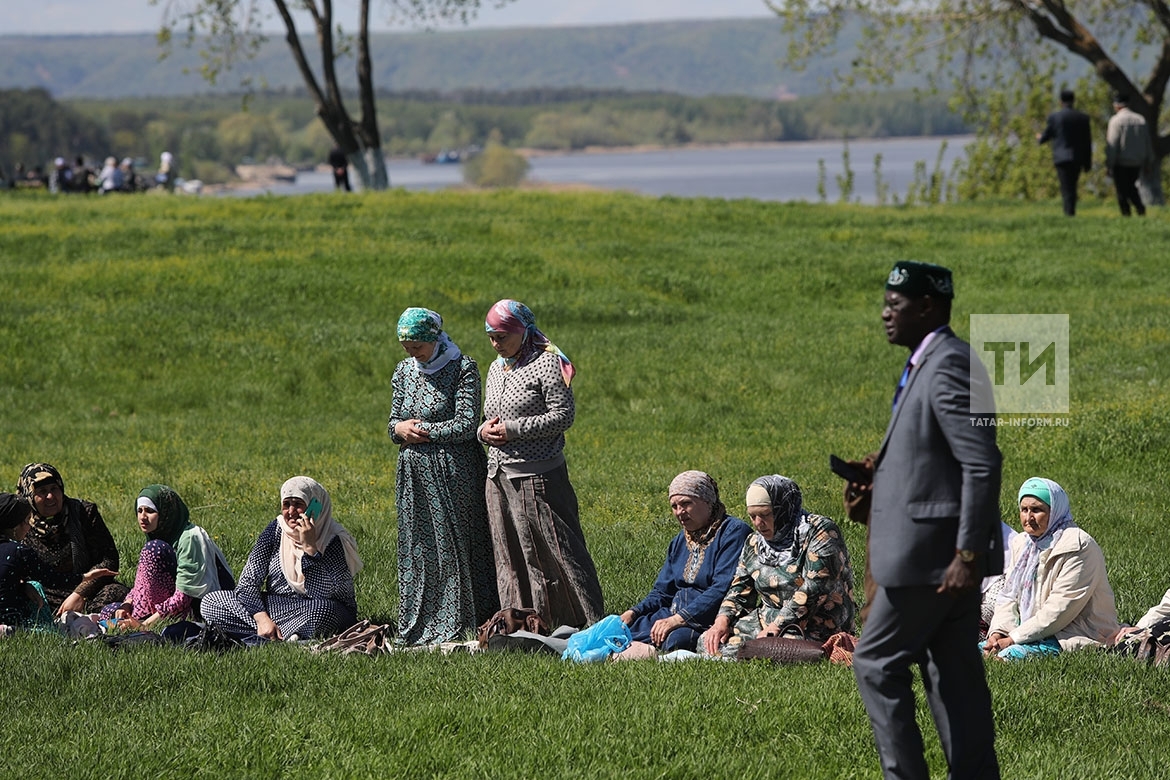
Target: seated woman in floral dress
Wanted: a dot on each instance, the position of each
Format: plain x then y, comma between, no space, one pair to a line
298,581
794,572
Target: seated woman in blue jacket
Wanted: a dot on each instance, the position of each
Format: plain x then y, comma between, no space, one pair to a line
700,562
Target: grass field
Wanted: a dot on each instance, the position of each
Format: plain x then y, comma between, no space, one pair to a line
221,346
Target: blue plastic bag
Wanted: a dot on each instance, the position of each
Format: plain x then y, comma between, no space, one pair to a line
598,642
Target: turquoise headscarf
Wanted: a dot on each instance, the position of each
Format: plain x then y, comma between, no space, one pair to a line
419,324
1036,488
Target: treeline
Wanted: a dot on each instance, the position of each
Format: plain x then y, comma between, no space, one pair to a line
211,134
34,129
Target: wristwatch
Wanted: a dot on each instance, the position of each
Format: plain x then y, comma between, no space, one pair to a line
966,556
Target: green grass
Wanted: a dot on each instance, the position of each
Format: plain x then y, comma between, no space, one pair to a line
221,346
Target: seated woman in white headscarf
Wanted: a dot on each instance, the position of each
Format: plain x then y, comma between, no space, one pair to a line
298,581
1057,595
794,572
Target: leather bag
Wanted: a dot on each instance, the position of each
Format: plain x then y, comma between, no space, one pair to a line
783,650
510,620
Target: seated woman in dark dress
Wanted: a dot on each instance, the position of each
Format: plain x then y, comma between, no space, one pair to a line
20,567
298,581
70,536
700,562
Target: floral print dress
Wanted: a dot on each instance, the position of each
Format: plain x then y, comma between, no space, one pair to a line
812,590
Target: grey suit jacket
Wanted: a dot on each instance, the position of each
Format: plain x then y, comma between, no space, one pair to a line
936,481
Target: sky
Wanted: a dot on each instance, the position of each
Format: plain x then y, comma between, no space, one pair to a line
41,17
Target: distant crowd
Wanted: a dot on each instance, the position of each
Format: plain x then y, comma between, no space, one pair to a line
83,178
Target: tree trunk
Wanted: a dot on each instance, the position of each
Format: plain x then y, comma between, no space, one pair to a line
370,165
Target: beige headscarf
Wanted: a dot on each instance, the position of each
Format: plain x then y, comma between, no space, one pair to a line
307,489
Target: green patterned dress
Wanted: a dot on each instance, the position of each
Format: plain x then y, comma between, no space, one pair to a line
446,576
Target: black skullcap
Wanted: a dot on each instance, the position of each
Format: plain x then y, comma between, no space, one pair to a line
13,511
1121,98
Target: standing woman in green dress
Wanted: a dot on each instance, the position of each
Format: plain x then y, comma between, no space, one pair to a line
446,575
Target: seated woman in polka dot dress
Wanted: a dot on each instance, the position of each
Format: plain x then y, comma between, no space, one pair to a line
298,581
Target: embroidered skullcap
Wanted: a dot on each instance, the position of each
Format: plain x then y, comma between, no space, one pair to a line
916,280
419,324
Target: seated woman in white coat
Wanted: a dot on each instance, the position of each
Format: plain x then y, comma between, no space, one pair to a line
1057,595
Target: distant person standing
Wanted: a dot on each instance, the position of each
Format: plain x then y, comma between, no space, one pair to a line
1127,151
340,165
165,177
1072,147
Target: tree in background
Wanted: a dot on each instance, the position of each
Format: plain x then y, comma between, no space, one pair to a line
34,129
1002,58
230,31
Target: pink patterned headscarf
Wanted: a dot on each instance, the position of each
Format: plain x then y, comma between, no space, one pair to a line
509,316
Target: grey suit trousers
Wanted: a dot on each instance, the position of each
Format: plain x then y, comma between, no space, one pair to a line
939,633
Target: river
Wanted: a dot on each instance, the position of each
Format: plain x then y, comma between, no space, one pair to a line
777,172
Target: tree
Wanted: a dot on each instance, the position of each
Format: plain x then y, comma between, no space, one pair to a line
230,30
1001,57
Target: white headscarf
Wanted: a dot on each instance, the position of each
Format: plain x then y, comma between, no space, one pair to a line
307,489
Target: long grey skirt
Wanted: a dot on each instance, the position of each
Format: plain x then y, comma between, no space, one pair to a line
542,561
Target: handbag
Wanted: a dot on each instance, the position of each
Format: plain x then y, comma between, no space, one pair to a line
509,620
364,637
783,650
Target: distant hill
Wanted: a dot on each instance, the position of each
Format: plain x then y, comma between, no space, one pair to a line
740,57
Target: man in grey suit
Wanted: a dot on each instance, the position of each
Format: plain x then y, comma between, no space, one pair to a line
933,535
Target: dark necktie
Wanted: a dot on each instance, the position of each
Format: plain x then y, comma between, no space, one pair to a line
902,383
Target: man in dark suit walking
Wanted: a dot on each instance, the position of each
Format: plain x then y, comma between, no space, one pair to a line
933,535
1072,147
